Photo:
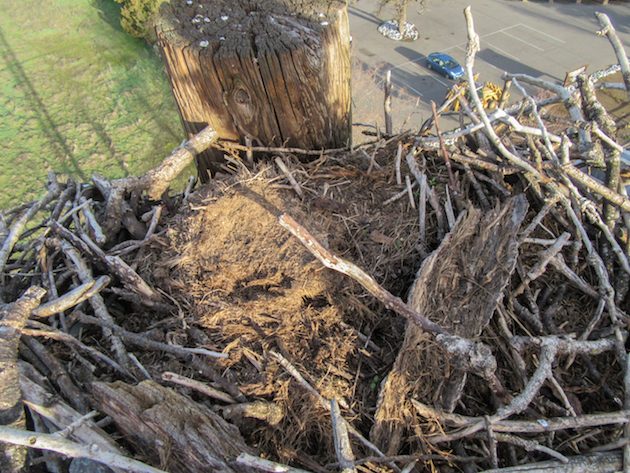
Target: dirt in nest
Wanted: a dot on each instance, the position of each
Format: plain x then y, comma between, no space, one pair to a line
253,289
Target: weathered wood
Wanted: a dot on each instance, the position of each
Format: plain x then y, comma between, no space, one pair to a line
457,287
13,318
274,71
609,462
185,436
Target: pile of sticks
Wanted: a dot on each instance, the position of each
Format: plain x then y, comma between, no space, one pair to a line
69,257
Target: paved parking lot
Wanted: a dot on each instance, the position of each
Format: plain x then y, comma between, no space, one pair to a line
537,38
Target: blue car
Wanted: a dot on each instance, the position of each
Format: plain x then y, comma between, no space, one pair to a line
445,65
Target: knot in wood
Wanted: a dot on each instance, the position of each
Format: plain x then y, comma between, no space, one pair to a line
241,97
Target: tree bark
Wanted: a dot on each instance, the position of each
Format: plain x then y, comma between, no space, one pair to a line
13,318
457,286
186,436
274,71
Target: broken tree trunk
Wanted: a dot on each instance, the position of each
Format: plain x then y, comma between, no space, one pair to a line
186,436
273,71
457,287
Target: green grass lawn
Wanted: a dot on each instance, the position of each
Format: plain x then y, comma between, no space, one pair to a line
77,96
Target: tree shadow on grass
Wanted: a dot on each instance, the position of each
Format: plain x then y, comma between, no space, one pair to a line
58,142
109,12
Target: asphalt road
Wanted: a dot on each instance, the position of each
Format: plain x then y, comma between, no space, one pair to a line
537,38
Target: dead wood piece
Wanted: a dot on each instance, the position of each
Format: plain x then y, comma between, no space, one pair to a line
58,375
72,298
147,343
343,448
17,228
122,270
71,449
530,446
448,289
609,31
158,179
94,227
197,386
42,330
597,463
387,104
62,415
13,317
285,170
524,426
151,415
257,463
84,273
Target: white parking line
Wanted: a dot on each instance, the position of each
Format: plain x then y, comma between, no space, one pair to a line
502,51
400,83
522,41
542,33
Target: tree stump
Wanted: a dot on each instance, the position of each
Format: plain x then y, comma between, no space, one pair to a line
274,71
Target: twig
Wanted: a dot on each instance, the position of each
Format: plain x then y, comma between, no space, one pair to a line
71,449
58,372
18,227
525,426
289,176
387,104
257,463
42,330
492,443
531,445
353,271
147,343
98,304
448,209
123,271
72,298
69,429
549,205
399,195
281,150
473,356
609,31
343,449
197,386
542,261
518,403
561,266
249,154
412,201
141,369
445,155
92,222
324,403
397,164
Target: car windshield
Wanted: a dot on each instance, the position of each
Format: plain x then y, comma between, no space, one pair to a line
450,64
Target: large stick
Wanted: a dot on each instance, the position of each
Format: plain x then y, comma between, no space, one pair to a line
13,317
72,449
157,180
609,31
